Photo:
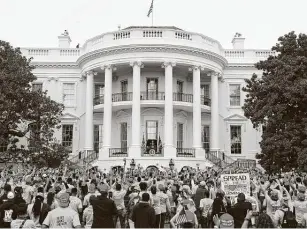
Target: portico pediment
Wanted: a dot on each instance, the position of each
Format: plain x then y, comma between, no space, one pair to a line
235,117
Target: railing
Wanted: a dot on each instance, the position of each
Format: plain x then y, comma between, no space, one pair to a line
219,158
181,97
38,52
204,100
120,97
182,35
70,52
121,35
152,33
99,100
185,152
152,95
85,157
118,152
158,152
234,54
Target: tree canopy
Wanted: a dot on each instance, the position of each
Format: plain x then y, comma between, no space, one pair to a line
28,118
277,101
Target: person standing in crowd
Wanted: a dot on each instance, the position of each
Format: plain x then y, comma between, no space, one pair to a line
91,191
28,190
63,216
143,215
240,210
88,214
184,216
204,207
22,220
156,205
164,204
38,211
7,188
104,209
118,197
75,202
300,205
8,211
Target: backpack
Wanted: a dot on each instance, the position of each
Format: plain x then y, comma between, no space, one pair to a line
289,220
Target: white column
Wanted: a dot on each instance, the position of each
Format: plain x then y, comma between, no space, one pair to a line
107,113
169,150
196,108
89,124
135,147
214,138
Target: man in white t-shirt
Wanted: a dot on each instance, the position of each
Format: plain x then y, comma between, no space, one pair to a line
28,190
91,191
205,205
75,202
63,216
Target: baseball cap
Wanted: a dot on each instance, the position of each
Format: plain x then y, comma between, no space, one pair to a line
202,183
302,189
226,221
10,195
63,200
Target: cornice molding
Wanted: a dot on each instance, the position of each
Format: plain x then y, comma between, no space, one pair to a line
152,48
54,65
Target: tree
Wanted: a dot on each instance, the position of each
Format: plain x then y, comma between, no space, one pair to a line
26,113
278,102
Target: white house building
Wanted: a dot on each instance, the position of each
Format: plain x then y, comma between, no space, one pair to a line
151,94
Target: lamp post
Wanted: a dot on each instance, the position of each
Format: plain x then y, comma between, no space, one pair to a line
132,165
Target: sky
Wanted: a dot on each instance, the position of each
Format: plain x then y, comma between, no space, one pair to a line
37,23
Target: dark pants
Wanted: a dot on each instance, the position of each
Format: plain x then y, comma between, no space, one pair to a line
204,222
121,215
158,220
162,220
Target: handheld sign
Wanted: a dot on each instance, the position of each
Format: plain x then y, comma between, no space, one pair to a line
233,184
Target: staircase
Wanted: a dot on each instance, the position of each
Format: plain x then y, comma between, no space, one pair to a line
223,161
84,158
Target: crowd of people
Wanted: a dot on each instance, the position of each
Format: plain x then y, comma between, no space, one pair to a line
191,198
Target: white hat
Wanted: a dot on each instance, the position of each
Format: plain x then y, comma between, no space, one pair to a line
10,195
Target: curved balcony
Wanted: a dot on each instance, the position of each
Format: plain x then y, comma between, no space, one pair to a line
122,97
181,97
147,95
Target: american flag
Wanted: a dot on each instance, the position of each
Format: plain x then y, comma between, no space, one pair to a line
150,9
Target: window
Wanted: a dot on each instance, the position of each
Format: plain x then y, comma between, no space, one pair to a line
67,135
205,94
152,130
123,137
205,138
235,138
179,90
124,88
99,90
179,135
37,87
98,131
235,95
69,94
152,89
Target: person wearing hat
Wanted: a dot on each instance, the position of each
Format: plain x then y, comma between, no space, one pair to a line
63,216
204,208
104,209
8,211
199,195
38,211
300,205
91,191
224,221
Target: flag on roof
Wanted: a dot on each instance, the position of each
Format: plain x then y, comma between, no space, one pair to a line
150,9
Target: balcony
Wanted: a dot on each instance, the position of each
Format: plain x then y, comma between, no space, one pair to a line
147,95
181,97
121,97
99,100
118,152
185,152
204,100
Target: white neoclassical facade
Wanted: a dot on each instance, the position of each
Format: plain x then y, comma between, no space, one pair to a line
151,94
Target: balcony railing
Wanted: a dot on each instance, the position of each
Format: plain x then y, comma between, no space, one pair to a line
118,152
157,152
181,97
185,152
205,100
121,97
99,100
148,95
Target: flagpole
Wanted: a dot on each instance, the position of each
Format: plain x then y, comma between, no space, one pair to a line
152,15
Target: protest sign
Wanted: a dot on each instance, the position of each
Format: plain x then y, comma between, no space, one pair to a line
233,184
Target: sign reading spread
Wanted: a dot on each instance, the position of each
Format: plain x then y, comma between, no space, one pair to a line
233,184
